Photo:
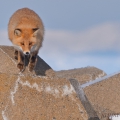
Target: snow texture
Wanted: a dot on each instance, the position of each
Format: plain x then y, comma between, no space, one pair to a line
100,75
67,90
114,117
98,80
3,114
18,81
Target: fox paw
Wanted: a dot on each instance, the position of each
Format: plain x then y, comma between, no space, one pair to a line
31,67
20,66
16,57
16,54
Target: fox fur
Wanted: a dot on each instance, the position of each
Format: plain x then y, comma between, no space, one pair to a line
26,32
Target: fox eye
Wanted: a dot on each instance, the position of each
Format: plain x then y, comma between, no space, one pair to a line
30,43
22,43
34,29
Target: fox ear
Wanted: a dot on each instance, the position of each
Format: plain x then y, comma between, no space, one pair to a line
35,31
17,32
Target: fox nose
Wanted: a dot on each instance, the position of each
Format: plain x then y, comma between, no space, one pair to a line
27,53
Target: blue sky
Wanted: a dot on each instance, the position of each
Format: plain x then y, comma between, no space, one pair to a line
78,33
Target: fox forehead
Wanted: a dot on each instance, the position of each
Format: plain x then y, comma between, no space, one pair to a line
26,41
27,22
26,31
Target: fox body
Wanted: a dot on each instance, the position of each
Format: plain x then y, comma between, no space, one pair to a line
26,31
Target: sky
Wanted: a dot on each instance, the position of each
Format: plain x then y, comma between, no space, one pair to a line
78,33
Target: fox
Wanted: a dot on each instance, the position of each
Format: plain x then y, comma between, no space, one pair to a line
26,32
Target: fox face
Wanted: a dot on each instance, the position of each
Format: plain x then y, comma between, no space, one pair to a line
25,40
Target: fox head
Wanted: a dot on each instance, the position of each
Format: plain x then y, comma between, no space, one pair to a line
25,40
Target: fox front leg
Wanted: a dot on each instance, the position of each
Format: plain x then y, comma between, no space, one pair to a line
16,54
32,61
20,64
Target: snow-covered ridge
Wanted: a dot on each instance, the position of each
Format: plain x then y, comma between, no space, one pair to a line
98,80
100,75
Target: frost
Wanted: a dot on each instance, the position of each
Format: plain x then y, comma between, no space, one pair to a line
3,114
98,80
48,89
53,91
114,117
68,90
15,90
18,81
56,91
100,75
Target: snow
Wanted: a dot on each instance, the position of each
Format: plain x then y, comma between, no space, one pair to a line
3,114
98,80
68,90
114,117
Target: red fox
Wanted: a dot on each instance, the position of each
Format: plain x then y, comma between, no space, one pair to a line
26,31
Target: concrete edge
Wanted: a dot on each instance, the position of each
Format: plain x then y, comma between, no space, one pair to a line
92,115
98,80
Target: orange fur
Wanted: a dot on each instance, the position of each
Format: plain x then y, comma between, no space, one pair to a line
26,31
26,20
